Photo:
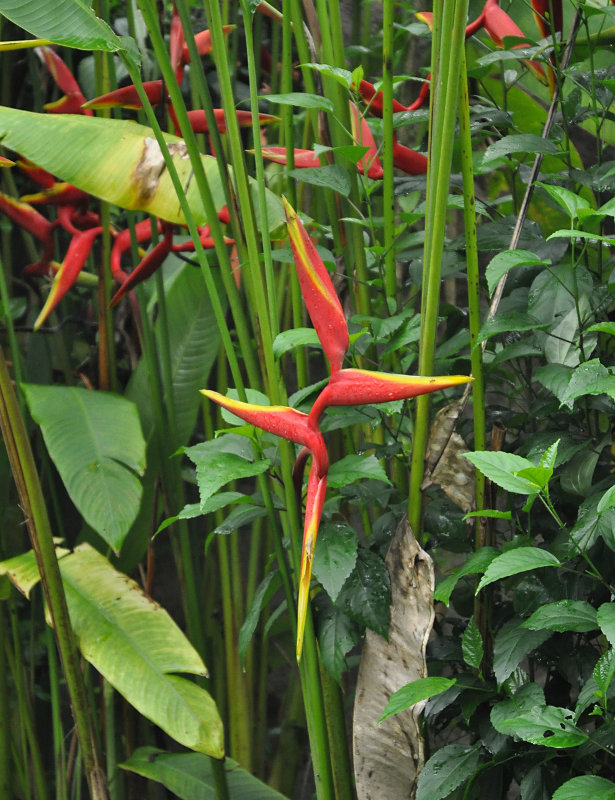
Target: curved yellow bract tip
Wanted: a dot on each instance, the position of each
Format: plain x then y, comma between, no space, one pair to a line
302,600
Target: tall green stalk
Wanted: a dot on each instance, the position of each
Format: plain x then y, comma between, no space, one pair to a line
388,198
33,504
447,46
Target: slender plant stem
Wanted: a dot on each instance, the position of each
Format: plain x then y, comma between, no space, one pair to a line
31,499
5,733
446,63
388,199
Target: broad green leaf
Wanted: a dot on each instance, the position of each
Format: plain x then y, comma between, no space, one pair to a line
447,769
335,556
553,291
331,176
589,786
337,635
138,648
574,234
491,513
192,338
591,377
290,340
71,23
476,564
215,467
606,621
548,459
366,595
501,263
511,645
563,615
241,515
95,441
300,100
602,327
354,468
415,692
571,202
520,143
190,776
507,322
555,378
472,645
549,726
524,699
267,588
592,524
22,570
503,468
535,784
118,161
342,76
577,475
513,562
604,671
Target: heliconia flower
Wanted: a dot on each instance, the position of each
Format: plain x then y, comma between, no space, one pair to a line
127,97
36,173
373,99
423,95
152,261
471,28
6,162
76,255
542,14
27,217
58,194
176,43
203,43
498,25
123,242
205,238
320,297
317,488
72,101
281,421
304,159
408,160
351,387
198,120
369,164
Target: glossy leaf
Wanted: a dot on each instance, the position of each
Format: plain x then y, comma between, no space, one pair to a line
337,635
415,692
335,556
472,645
366,595
96,443
501,263
586,786
511,645
476,564
354,468
549,726
514,562
604,671
606,621
447,769
503,469
563,615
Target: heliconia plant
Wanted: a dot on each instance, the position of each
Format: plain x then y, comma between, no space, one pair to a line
345,387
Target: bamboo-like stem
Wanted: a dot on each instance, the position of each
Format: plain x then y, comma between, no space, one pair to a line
336,726
5,733
388,199
59,750
449,39
33,504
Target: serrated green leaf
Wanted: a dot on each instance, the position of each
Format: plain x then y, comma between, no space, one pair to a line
511,645
366,595
215,468
501,263
337,635
472,645
415,692
606,621
297,337
342,76
586,786
491,513
509,321
191,775
524,699
267,588
604,671
513,562
602,327
563,615
503,468
335,556
330,176
300,100
447,769
476,563
520,143
96,443
591,377
549,726
354,468
571,202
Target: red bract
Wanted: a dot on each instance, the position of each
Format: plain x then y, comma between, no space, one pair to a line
547,13
27,217
304,159
408,160
499,25
73,98
148,265
127,97
369,164
373,99
76,255
58,194
345,387
198,120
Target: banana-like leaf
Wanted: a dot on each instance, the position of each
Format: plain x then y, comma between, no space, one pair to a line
135,645
118,161
190,776
68,22
95,441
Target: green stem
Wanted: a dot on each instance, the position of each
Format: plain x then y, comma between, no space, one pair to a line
5,733
447,45
33,504
388,199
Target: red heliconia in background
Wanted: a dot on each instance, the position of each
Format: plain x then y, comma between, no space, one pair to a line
345,387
